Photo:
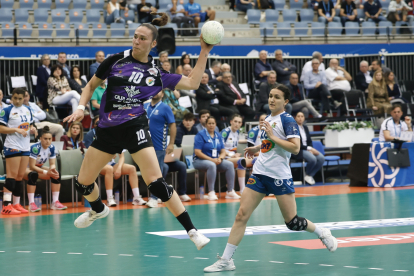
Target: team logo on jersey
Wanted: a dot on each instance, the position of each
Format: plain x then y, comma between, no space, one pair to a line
224,134
278,182
273,125
251,181
153,71
122,64
131,91
35,150
2,113
251,134
267,145
150,81
24,126
120,71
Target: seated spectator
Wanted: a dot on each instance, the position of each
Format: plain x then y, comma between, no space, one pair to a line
74,137
185,59
194,10
181,169
39,117
43,74
40,153
308,65
185,128
297,99
99,57
398,10
114,170
177,13
316,84
283,68
62,62
90,136
394,92
214,73
203,115
3,104
225,67
373,11
410,14
166,65
376,65
364,77
338,80
209,156
163,57
262,68
113,10
59,90
97,98
76,82
253,137
359,4
244,5
378,98
326,12
232,97
265,4
348,12
312,157
144,11
262,103
313,4
171,99
393,126
186,72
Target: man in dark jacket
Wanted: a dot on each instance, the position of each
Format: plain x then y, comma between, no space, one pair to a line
214,73
264,90
283,68
185,128
364,77
43,73
262,67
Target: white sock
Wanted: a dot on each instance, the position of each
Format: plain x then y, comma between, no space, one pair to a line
55,196
16,200
135,191
31,197
229,251
318,231
109,193
319,116
242,183
7,196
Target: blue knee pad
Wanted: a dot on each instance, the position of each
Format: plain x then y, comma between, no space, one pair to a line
241,164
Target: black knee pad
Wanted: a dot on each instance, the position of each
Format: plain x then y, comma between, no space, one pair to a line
83,189
57,181
33,176
18,188
161,189
10,184
297,224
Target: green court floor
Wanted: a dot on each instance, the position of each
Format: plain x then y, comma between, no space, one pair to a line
119,245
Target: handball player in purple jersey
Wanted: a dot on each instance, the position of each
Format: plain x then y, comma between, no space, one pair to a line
132,78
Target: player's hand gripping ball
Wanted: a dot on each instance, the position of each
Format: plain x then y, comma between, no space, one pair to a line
212,32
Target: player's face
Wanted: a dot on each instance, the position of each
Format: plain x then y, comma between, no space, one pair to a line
142,42
203,118
17,100
75,130
188,124
26,98
211,125
396,114
276,100
300,118
236,123
46,140
262,118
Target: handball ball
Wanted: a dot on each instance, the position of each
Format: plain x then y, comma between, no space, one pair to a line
212,32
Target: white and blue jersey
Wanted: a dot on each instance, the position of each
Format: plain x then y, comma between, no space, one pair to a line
41,155
208,145
159,116
230,139
253,136
17,117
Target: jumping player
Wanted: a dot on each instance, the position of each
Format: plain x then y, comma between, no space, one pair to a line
132,79
271,174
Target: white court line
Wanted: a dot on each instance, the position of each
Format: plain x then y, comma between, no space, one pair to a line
127,255
152,256
374,268
199,258
23,251
301,263
49,252
73,253
251,260
325,265
401,270
99,254
276,262
177,257
2,251
348,266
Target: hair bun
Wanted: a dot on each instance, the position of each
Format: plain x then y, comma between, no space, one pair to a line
161,21
46,128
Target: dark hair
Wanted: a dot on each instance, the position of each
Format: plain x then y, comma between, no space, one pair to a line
396,106
19,91
263,114
211,117
284,89
234,116
46,130
161,21
184,57
188,116
166,62
53,69
71,71
298,113
377,61
95,119
386,74
203,111
62,53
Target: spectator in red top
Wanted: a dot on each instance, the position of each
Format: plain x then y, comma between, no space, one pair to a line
74,137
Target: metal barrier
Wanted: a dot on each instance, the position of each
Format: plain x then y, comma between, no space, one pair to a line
401,65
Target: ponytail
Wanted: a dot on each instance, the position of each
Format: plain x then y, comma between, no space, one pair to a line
161,21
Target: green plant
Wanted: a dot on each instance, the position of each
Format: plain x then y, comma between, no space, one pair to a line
339,126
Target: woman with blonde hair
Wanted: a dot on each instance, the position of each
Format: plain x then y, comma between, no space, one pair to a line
74,137
378,98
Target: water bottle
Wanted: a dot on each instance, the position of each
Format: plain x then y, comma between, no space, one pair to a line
86,203
117,197
201,192
38,201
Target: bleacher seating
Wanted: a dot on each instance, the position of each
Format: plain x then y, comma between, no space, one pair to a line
266,28
272,16
296,4
25,30
7,4
283,29
131,16
368,28
306,15
253,16
75,15
93,15
44,4
289,15
318,29
58,15
26,4
99,30
97,4
6,15
301,28
21,15
334,29
79,4
117,30
382,27
352,28
62,30
83,29
62,4
7,30
41,15
45,30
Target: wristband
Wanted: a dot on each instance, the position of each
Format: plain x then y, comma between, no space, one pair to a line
45,172
81,107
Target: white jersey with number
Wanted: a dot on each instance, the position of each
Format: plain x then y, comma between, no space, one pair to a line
41,155
17,117
273,161
230,139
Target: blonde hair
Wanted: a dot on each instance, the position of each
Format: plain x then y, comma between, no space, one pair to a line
80,138
381,83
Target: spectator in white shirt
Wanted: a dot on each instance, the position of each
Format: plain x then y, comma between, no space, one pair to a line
338,80
308,65
393,127
398,10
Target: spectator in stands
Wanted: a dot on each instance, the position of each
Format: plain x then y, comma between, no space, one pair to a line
326,12
74,138
378,98
373,11
376,65
76,82
283,68
59,90
163,57
90,136
186,127
359,4
194,10
39,117
394,92
166,65
113,10
99,57
186,72
214,73
225,67
398,10
43,74
393,126
177,12
262,100
144,11
312,157
297,100
171,99
203,115
2,104
253,136
262,67
308,65
185,59
410,14
338,80
97,98
364,77
315,82
232,97
244,5
180,168
348,12
209,156
62,62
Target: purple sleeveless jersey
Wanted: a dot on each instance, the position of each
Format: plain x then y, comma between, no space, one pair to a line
130,83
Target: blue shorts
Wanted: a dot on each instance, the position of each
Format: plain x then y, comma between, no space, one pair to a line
9,152
203,16
267,185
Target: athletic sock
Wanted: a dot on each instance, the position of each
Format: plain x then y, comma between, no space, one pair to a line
30,196
318,231
55,196
109,193
97,205
135,191
7,197
185,221
16,200
242,181
229,251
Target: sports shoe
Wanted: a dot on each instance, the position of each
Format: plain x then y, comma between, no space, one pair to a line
232,195
337,104
33,207
309,179
152,203
211,196
138,201
198,239
87,218
159,200
20,208
111,201
185,198
328,240
58,206
221,265
9,210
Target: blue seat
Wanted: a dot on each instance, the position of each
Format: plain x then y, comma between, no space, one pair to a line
7,30
45,30
62,30
133,26
26,4
351,28
6,4
152,2
289,15
283,29
173,26
266,28
361,13
131,15
306,15
99,30
62,4
253,16
21,15
301,29
93,15
382,27
25,30
296,4
368,28
385,4
334,29
41,15
79,4
6,15
376,139
117,30
164,3
44,4
398,26
332,158
83,29
272,16
58,15
97,4
279,4
75,16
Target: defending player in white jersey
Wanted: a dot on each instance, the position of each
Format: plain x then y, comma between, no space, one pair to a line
16,121
271,174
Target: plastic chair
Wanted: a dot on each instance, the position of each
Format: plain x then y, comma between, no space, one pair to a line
62,30
7,4
99,30
117,30
41,15
289,15
6,15
83,30
75,16
188,149
332,158
272,16
7,30
368,28
318,28
44,4
279,4
79,4
25,30
26,4
70,164
361,13
334,29
93,16
164,3
385,27
21,15
306,15
351,28
296,4
131,15
301,28
266,29
62,4
283,29
97,4
132,27
45,30
253,16
58,15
